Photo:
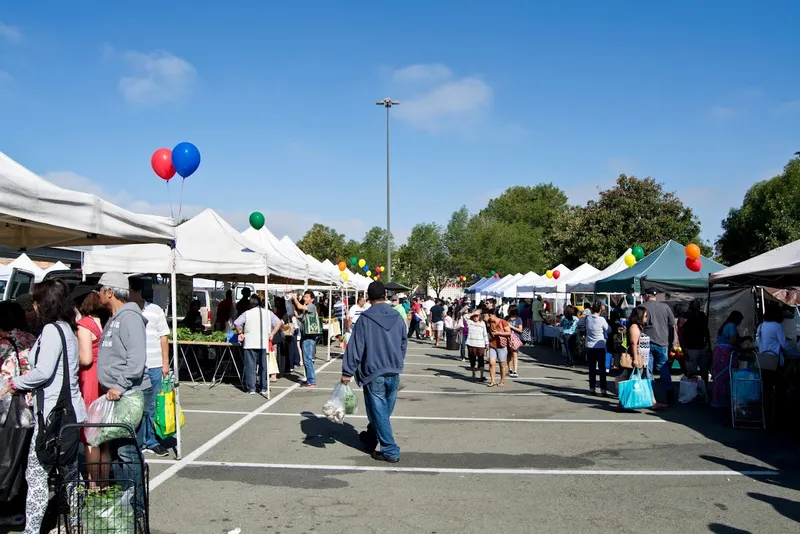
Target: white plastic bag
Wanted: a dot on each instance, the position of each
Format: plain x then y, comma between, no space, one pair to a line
689,391
334,407
125,411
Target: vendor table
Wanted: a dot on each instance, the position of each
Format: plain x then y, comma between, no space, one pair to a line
554,333
226,355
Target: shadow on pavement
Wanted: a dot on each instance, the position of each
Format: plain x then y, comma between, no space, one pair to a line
320,432
719,528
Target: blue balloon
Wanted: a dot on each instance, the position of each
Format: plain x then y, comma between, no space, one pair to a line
185,159
366,267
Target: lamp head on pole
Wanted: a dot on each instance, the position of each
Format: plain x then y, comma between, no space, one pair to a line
387,102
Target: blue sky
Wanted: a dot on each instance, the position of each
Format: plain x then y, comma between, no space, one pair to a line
280,99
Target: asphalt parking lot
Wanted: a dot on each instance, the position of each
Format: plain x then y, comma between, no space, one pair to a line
540,454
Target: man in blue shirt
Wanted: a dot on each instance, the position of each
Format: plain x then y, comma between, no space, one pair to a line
374,356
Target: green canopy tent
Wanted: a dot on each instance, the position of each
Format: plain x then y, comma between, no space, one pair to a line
665,264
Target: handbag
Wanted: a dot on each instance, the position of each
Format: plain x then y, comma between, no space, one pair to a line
15,441
58,438
636,393
164,419
312,326
527,337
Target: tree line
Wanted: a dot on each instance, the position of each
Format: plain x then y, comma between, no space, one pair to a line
533,228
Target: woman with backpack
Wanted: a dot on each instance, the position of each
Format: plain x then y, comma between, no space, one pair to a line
54,381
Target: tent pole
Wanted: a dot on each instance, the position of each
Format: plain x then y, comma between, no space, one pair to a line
266,305
330,324
173,304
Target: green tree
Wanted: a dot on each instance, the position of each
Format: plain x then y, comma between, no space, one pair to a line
633,212
769,217
424,259
373,246
457,240
507,248
323,242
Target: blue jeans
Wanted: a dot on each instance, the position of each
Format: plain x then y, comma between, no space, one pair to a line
380,396
309,346
255,359
659,361
146,434
127,469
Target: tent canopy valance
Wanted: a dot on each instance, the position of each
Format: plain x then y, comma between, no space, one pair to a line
587,285
779,267
37,213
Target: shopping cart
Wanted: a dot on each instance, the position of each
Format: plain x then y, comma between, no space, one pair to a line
107,497
747,391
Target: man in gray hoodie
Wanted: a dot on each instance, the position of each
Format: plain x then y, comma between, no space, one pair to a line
121,363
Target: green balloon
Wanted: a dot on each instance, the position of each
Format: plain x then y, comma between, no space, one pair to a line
492,273
638,252
257,220
353,260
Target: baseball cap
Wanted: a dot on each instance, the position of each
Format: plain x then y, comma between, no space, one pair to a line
376,291
116,280
651,291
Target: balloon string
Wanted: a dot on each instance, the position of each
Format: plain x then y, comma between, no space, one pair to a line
180,200
169,199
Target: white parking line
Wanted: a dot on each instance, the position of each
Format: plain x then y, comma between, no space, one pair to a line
205,447
432,418
434,375
488,471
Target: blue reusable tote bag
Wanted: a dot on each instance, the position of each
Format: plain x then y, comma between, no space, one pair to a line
636,393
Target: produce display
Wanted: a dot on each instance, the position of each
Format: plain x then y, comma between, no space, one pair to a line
184,334
108,510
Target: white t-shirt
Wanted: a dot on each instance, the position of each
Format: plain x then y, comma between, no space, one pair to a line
428,304
155,329
356,311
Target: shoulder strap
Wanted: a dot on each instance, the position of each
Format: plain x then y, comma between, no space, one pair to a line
64,395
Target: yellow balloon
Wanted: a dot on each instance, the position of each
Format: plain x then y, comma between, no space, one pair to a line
369,273
345,277
361,263
630,260
549,273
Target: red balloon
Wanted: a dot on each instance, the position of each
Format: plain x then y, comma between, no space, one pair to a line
162,163
694,265
556,274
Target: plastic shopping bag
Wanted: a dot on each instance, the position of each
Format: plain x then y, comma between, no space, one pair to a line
688,390
343,401
125,411
746,386
108,510
636,393
165,410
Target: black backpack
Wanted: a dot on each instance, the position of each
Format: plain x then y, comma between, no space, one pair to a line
57,438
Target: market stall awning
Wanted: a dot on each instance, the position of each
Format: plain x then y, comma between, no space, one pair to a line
560,286
206,247
477,285
587,285
37,213
665,264
779,267
289,264
499,289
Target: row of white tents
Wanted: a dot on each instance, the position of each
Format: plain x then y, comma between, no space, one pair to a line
580,280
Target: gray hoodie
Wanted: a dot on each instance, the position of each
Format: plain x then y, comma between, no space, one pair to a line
123,351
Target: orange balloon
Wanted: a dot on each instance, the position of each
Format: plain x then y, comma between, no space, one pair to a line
342,266
692,252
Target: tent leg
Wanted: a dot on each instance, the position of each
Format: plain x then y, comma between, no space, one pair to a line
330,324
266,305
176,357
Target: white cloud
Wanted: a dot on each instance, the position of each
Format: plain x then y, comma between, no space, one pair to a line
443,101
433,72
279,223
10,33
722,112
157,76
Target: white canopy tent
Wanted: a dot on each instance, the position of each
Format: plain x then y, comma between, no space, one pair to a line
206,247
57,266
320,273
494,289
560,286
24,263
281,259
37,213
504,290
526,280
528,291
587,284
779,267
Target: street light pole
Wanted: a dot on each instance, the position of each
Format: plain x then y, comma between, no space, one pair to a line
388,103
